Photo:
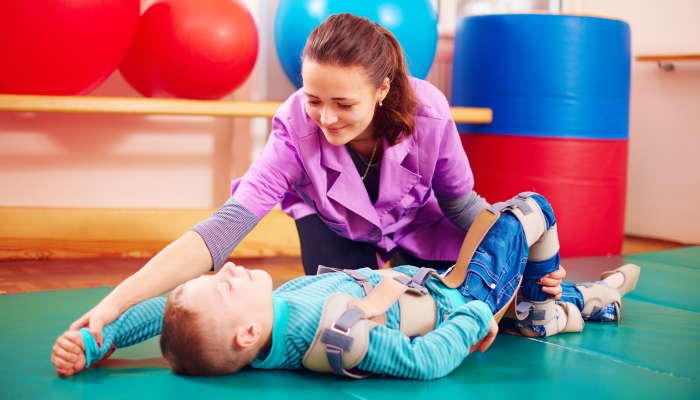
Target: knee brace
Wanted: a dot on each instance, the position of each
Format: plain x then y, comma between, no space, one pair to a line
543,242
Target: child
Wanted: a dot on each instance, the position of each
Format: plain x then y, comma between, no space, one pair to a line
217,324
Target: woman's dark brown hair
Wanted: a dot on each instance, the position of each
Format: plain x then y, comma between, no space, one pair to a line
346,40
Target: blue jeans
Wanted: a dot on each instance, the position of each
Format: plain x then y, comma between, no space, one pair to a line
501,259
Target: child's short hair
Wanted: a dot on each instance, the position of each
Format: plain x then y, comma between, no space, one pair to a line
191,348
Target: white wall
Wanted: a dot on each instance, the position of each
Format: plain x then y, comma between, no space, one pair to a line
663,195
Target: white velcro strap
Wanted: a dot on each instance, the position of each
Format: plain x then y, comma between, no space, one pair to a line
533,223
547,247
574,320
418,312
315,358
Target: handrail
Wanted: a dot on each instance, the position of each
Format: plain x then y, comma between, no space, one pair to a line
665,61
142,105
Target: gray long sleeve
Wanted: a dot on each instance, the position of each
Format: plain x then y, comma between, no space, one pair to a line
463,210
225,229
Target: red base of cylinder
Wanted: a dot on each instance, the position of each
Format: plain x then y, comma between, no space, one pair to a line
584,180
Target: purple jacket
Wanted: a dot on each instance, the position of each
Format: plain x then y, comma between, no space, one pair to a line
300,169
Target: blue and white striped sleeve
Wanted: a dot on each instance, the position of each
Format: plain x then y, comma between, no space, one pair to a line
433,355
137,324
225,229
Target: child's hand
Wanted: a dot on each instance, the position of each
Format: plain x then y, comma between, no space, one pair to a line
69,354
486,341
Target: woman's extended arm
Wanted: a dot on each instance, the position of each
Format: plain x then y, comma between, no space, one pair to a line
186,258
209,243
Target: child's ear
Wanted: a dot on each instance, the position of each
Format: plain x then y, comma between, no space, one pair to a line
247,335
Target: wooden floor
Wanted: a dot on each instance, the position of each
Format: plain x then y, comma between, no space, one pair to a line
31,276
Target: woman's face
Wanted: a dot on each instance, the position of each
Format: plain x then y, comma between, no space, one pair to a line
341,101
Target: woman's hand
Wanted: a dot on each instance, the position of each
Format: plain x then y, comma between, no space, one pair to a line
95,320
551,283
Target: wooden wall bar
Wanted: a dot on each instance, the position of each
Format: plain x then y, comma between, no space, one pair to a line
140,105
52,233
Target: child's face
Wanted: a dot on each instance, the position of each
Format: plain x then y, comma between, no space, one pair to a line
230,298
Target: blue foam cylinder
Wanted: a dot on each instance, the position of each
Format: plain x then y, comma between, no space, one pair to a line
544,75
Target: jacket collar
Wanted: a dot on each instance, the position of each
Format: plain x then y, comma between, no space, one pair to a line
349,190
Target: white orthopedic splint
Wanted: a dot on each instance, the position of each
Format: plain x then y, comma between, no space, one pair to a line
596,296
543,244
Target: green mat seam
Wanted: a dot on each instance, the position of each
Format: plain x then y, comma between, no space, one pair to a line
605,357
643,300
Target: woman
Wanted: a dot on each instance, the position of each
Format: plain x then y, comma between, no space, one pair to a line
366,159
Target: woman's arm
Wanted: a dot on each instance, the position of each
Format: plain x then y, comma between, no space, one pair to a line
462,211
186,258
193,254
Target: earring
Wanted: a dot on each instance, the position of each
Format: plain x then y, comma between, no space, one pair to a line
381,104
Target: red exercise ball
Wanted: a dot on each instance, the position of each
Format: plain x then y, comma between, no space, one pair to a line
197,49
63,47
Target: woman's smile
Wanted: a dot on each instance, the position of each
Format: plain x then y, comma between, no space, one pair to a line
335,130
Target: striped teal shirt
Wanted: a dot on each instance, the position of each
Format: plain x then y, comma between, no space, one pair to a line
298,305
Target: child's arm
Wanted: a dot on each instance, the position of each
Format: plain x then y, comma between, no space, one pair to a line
75,351
186,258
435,354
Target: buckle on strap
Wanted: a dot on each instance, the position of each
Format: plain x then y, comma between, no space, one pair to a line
359,277
525,195
417,283
508,205
322,269
499,207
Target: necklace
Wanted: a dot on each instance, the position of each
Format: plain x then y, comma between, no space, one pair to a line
370,160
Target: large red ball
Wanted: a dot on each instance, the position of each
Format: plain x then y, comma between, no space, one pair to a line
63,47
197,49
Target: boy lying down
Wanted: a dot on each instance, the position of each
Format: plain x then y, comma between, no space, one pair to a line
350,322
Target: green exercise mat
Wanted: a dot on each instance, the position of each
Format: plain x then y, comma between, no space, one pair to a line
653,352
